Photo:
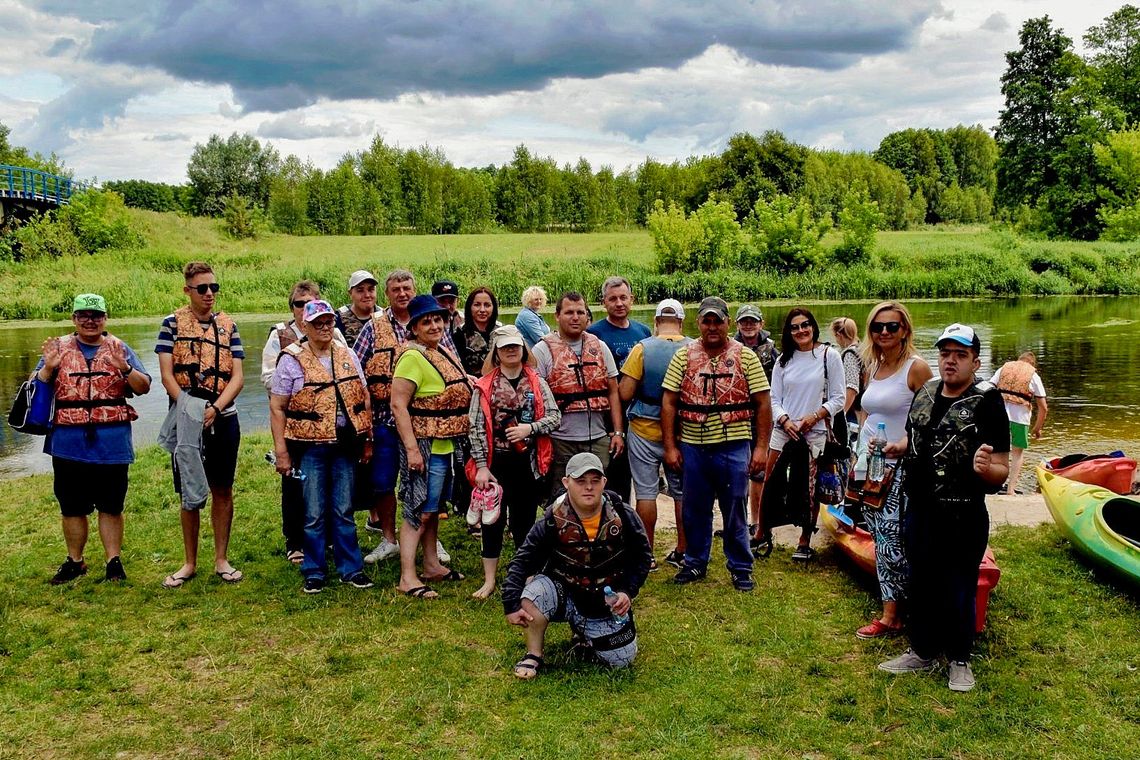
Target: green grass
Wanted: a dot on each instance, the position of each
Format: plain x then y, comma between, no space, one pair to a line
260,670
257,275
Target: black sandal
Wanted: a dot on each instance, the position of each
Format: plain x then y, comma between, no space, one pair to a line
761,547
529,664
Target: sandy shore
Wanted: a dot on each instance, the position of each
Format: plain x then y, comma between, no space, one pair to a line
1029,509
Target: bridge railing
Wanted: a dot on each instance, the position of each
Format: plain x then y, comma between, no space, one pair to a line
35,185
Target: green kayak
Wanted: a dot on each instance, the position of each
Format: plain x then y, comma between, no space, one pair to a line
1103,526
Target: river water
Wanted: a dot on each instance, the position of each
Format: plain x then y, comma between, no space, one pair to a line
1086,347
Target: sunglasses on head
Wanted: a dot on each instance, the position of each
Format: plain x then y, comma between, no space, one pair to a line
300,304
212,287
891,327
800,326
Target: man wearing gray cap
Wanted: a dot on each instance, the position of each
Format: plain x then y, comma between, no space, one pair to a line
717,389
585,560
750,331
956,450
640,389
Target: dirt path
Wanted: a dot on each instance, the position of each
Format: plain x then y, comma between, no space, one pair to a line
1004,510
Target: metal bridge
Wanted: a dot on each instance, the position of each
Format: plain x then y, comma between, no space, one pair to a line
25,192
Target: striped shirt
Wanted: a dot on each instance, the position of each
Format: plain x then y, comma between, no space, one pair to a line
713,430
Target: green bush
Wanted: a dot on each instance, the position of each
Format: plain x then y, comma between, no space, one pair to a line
100,221
785,235
709,238
1121,224
858,221
45,237
241,219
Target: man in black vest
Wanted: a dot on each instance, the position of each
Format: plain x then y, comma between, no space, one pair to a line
957,451
585,560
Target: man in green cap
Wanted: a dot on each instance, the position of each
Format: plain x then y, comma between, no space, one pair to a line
92,374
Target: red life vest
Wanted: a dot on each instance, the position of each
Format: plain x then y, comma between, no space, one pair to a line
715,385
94,394
1015,381
579,384
544,449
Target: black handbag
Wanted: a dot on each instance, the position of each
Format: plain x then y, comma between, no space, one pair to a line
837,448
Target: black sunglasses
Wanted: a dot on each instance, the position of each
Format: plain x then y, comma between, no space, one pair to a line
90,316
213,287
300,304
891,327
800,326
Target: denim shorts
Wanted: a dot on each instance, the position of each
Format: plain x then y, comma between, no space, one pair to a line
614,642
385,459
646,460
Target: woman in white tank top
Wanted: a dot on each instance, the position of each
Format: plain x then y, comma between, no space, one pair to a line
894,373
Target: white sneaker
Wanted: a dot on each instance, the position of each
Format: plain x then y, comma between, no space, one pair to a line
907,662
444,557
961,677
383,551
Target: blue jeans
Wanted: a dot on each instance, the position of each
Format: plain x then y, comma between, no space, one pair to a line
717,471
328,483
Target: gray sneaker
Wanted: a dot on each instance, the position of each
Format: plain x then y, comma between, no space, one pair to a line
961,677
907,662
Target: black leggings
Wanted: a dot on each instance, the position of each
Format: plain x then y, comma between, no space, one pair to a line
522,495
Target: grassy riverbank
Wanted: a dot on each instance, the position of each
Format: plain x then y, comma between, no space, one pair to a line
260,670
256,275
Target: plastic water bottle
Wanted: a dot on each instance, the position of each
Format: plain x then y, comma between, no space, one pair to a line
526,414
294,473
877,462
611,600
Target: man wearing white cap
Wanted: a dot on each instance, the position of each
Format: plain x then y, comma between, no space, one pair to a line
956,451
354,316
582,563
640,388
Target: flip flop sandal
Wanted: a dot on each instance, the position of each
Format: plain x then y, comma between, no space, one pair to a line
529,665
761,547
176,581
421,592
452,575
230,576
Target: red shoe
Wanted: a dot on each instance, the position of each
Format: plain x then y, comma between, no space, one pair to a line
877,629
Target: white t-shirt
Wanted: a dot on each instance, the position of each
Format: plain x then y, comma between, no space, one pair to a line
1018,413
798,388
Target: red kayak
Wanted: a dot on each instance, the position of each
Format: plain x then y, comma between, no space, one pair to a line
1112,471
858,545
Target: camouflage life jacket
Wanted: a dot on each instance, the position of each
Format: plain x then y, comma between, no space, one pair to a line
380,366
443,415
715,385
589,565
579,384
1015,381
945,448
312,411
91,394
203,358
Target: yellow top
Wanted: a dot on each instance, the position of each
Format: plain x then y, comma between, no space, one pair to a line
713,430
414,366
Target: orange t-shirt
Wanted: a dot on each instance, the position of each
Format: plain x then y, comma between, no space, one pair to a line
592,524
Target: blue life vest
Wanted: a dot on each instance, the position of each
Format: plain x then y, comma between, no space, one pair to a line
657,352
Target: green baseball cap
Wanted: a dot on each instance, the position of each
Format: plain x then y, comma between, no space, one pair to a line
89,302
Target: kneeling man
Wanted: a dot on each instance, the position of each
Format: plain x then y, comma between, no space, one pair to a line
587,539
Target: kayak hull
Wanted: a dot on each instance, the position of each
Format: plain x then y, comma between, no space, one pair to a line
859,547
1100,524
1113,473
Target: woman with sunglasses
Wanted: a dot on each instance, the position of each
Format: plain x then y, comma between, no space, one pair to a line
894,373
807,390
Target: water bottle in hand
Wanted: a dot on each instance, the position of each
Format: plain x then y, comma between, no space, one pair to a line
611,600
877,461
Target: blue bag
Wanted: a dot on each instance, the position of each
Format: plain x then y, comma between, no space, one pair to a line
33,408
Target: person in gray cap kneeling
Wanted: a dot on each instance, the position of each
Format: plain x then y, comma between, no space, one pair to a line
585,559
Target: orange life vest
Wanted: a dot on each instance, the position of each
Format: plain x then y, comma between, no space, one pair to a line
203,359
579,384
380,366
715,385
544,449
311,412
1015,381
285,337
443,415
94,394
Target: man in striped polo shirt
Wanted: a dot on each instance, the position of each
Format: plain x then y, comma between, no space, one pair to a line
718,392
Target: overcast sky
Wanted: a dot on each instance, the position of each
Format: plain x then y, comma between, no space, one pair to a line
126,88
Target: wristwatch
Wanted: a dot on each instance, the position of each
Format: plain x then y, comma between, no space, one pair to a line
127,372
618,433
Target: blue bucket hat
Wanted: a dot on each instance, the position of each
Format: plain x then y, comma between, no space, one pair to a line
421,306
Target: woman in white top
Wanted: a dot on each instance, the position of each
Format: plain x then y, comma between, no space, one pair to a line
894,373
807,389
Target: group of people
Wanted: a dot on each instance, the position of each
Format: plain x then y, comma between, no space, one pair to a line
419,404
